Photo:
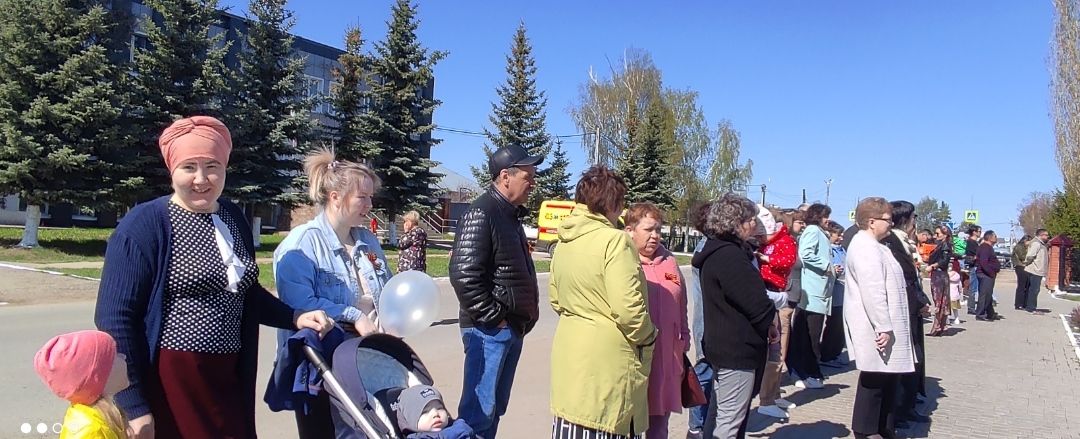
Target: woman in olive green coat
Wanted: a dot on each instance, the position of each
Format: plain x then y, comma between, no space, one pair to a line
602,351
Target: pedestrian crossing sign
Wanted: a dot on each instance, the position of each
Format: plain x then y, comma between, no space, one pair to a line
971,216
851,215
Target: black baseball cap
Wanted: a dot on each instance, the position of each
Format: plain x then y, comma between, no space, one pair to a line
510,156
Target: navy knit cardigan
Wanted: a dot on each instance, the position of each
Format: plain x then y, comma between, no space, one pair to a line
130,299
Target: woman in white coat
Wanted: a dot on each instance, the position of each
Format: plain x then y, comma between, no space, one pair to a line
876,319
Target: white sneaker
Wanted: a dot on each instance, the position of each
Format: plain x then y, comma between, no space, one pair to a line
772,411
809,383
785,404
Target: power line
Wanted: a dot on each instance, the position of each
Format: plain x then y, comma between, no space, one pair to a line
478,133
457,131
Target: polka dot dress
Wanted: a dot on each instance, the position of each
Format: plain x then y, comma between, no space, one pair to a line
200,315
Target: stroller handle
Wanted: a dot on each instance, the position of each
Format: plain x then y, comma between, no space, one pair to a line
332,385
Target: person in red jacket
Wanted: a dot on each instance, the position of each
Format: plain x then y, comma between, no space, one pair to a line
777,257
775,261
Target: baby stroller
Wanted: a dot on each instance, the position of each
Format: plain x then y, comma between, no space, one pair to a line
363,367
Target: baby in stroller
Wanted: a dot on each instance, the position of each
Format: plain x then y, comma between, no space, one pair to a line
377,386
420,413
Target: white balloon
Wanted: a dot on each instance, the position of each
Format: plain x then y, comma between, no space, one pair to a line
408,304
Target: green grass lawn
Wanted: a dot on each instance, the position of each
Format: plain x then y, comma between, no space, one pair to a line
81,245
57,245
84,272
437,267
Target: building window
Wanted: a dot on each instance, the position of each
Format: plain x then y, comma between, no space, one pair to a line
143,16
313,87
334,86
138,42
218,33
84,214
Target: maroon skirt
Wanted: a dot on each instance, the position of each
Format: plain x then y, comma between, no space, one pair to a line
197,395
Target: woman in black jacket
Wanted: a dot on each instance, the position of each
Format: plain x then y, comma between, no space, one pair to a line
738,314
912,384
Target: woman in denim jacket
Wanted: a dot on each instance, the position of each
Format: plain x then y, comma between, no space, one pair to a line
333,263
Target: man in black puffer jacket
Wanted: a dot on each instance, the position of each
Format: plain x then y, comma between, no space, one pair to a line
495,281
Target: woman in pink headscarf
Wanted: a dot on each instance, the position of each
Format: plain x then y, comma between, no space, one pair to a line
180,295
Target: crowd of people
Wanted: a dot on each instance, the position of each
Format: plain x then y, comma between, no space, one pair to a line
777,295
772,296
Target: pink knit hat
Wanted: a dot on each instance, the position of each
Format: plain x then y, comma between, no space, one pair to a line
76,366
195,137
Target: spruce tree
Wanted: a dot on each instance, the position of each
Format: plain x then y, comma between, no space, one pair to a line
645,166
395,123
555,181
347,100
60,106
268,115
182,74
519,118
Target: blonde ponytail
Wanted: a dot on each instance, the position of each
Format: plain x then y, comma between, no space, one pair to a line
327,174
112,415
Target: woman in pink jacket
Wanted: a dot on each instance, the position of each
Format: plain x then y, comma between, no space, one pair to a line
667,310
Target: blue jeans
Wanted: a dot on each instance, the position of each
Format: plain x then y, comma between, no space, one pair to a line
491,359
704,374
974,299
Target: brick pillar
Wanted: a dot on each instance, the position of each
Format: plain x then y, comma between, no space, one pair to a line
1053,272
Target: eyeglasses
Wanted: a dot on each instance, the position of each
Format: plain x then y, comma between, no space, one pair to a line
888,220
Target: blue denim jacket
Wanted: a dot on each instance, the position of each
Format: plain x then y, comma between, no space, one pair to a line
697,324
311,271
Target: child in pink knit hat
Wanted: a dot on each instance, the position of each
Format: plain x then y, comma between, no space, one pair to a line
83,368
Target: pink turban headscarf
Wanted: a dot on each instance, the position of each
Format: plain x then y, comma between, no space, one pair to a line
195,137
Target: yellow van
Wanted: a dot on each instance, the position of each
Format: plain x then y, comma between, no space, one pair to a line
552,213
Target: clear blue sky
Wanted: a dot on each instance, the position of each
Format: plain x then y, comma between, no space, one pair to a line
897,99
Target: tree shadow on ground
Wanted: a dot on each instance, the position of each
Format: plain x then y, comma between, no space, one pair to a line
819,429
934,392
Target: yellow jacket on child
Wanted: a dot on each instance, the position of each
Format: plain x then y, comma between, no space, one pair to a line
85,422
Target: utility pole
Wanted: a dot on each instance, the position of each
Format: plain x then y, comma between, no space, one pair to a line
828,188
804,196
762,195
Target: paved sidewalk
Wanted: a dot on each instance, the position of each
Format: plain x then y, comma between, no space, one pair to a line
1014,378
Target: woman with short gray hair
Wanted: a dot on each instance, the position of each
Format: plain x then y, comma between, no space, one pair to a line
413,244
738,315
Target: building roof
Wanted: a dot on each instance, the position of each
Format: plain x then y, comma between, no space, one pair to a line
452,181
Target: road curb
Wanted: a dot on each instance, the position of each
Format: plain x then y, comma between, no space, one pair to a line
39,270
1072,335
